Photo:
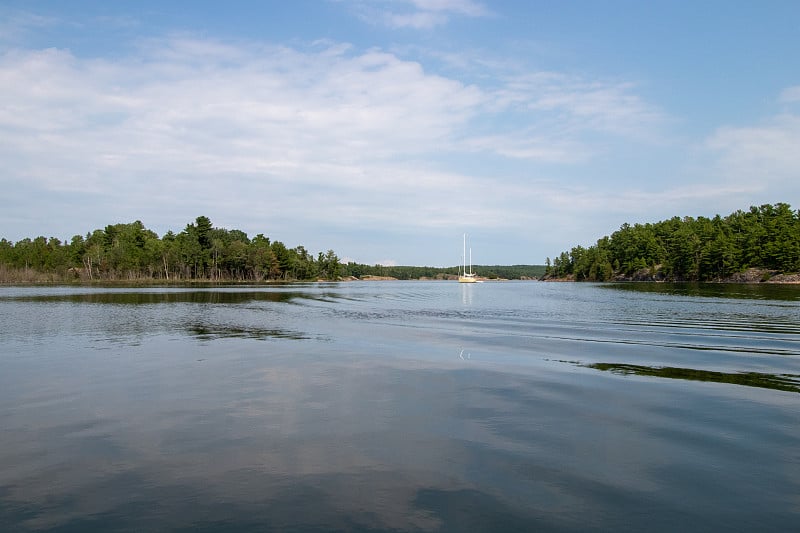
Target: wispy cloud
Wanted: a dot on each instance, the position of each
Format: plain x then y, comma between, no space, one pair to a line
417,14
461,7
16,24
766,153
211,105
267,137
790,94
581,104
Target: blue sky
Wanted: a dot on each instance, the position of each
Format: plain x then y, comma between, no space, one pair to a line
384,129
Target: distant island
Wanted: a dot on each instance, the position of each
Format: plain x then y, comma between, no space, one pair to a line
761,244
484,272
200,252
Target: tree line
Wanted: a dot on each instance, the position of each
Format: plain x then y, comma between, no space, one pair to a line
690,249
133,252
358,270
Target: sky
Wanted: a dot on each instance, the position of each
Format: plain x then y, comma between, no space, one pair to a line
387,129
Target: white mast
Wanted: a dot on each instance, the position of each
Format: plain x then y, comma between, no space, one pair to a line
464,256
463,275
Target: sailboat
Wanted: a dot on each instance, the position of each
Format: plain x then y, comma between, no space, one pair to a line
463,275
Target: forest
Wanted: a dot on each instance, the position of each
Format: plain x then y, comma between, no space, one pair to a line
689,249
201,252
132,252
679,249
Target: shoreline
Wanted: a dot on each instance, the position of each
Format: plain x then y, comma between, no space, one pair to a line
751,276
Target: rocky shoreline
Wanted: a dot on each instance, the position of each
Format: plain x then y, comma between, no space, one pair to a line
751,275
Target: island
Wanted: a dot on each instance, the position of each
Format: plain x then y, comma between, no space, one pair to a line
761,244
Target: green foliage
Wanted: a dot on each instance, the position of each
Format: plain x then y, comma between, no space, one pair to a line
199,252
204,252
690,249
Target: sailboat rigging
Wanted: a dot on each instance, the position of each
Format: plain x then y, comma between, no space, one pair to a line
463,275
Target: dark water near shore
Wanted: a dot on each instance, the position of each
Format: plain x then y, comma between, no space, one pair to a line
400,406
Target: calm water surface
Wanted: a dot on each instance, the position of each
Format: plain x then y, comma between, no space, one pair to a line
400,406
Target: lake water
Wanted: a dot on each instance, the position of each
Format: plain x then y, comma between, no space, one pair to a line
400,406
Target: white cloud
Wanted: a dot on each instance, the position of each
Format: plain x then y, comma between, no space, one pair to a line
532,144
417,20
461,7
209,105
417,14
791,94
15,24
269,138
766,154
574,103
237,110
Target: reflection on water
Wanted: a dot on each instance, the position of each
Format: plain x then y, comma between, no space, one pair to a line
399,407
784,382
210,332
756,291
466,294
161,296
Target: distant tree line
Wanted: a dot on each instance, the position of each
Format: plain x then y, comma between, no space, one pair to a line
418,272
690,249
133,252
